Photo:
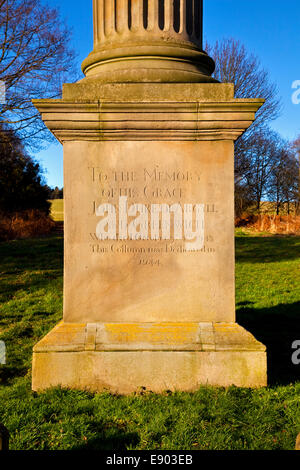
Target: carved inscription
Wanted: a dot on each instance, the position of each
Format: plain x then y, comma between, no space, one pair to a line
150,214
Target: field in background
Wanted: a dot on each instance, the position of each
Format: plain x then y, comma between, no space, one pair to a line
268,305
57,210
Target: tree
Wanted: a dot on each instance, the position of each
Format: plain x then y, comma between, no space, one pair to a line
243,199
35,59
56,193
296,146
270,170
235,65
257,157
284,177
21,184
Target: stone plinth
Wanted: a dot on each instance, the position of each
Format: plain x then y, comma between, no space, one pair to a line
122,357
149,293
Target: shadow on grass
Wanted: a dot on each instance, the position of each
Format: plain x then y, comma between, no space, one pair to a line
267,250
8,290
112,439
20,255
28,265
9,374
276,327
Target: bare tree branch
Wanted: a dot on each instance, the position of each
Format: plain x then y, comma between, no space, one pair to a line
35,59
234,64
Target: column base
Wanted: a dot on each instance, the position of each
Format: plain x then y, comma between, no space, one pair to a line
123,358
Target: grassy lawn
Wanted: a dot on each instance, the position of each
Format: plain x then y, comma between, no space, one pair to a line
268,304
57,210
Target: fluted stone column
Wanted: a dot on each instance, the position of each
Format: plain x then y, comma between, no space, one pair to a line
148,41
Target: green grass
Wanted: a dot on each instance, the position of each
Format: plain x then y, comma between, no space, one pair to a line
268,304
57,210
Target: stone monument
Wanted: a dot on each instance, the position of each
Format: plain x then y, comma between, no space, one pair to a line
148,137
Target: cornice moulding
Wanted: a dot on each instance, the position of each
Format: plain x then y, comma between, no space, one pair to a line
102,120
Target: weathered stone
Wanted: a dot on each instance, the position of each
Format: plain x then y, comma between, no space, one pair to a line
124,357
91,90
149,290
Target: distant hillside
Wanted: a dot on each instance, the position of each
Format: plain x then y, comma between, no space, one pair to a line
57,210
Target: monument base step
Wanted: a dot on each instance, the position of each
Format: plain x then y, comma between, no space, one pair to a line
125,357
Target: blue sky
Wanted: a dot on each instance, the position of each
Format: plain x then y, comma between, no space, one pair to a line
268,28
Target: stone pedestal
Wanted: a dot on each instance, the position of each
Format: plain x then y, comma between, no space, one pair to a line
149,291
123,358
